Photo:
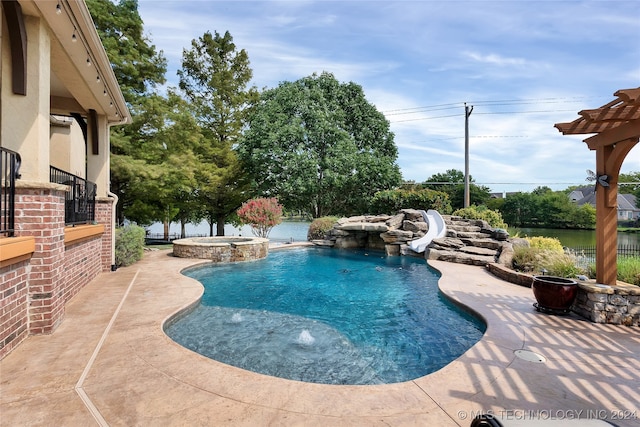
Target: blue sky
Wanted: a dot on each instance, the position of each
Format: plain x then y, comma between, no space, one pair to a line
522,65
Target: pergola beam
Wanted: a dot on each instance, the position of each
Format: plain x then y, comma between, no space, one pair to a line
623,132
619,115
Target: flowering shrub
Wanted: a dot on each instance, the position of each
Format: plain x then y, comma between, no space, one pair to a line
262,214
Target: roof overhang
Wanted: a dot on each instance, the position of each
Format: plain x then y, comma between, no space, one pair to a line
81,75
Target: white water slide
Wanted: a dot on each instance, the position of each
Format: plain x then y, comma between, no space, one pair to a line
437,228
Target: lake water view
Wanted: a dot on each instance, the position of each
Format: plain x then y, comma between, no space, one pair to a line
577,238
296,231
290,231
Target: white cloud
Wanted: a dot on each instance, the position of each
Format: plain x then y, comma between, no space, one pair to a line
495,59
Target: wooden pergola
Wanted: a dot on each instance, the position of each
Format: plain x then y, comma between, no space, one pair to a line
616,126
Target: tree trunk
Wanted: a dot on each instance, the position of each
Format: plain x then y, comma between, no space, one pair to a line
165,224
220,226
210,228
183,233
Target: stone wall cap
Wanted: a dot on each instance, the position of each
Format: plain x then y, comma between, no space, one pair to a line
40,185
621,288
364,226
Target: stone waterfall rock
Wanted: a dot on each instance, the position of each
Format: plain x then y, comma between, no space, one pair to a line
397,236
466,242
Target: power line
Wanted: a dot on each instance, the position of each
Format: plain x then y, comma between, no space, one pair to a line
450,105
426,118
502,102
556,100
418,110
483,113
527,112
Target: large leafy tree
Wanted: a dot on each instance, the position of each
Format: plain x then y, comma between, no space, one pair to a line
215,78
320,147
546,208
139,68
452,183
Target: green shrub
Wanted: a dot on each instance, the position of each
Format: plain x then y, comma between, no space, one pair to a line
129,245
628,270
545,260
526,259
319,227
391,201
546,243
494,218
562,265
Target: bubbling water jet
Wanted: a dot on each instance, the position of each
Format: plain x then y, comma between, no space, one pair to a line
305,338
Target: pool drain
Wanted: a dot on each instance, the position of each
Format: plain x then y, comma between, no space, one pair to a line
530,356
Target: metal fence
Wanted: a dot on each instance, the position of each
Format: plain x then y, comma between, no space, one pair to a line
586,255
590,251
9,172
80,201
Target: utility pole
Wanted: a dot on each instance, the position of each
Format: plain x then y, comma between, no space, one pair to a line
467,113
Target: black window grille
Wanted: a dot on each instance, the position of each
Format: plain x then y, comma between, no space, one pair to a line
9,173
80,201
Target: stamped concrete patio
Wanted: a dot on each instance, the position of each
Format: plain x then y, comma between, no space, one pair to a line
109,363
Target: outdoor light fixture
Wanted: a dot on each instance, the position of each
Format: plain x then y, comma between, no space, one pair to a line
73,36
58,9
88,61
98,78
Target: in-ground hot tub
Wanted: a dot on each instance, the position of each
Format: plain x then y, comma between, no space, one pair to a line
222,249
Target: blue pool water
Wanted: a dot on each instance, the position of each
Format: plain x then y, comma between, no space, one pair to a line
327,316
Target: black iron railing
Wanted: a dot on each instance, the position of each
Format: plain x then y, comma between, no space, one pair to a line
586,255
590,251
80,201
9,173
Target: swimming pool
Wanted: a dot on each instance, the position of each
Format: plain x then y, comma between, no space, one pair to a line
327,316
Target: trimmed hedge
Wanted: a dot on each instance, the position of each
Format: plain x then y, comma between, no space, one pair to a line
129,245
319,227
391,201
494,218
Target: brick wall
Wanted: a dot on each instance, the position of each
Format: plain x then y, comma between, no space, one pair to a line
14,327
103,215
81,265
40,213
33,293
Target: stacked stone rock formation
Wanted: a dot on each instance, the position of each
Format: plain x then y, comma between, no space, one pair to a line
466,242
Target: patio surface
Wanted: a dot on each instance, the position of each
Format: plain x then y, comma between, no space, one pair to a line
109,363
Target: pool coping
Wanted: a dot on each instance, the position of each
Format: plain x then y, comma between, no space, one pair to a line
141,377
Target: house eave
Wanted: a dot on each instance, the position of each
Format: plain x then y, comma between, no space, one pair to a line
81,65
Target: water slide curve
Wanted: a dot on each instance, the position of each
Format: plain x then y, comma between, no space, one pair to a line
437,228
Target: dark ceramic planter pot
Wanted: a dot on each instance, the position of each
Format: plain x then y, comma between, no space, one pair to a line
554,294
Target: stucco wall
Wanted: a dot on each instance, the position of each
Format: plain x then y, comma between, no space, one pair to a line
25,126
67,149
